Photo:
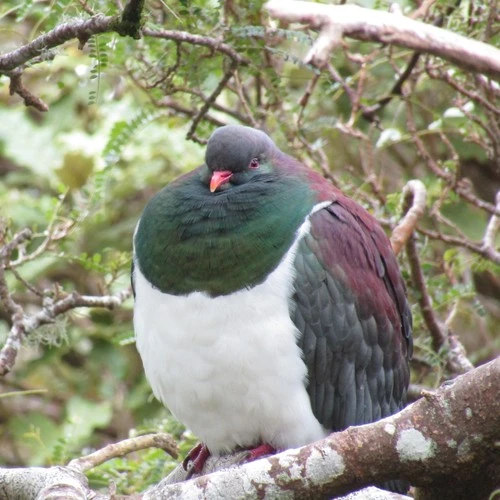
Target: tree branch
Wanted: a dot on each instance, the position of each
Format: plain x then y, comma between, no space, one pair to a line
427,443
414,194
491,232
336,21
158,440
82,30
206,41
12,64
23,324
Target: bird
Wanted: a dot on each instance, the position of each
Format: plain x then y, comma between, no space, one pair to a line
270,310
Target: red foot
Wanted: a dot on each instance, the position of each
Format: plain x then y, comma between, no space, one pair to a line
259,452
197,458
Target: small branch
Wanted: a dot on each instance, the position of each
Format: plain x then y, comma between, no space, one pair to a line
397,90
334,21
206,41
211,99
13,63
239,90
23,325
491,233
424,300
414,194
304,100
82,30
453,240
460,187
168,102
158,440
456,358
17,87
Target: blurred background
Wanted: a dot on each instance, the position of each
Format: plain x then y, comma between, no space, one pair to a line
126,116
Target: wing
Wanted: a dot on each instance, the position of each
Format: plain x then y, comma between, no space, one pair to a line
350,306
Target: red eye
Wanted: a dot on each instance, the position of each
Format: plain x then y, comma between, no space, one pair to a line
254,163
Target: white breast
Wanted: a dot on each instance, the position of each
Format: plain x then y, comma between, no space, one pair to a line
228,367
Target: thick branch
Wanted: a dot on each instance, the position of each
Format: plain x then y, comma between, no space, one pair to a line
457,428
335,21
431,443
126,24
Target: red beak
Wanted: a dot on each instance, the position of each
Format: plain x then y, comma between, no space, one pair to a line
218,178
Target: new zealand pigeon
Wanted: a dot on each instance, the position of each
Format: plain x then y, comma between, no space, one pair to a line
269,307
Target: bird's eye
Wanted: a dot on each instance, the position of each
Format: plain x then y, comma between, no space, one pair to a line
254,163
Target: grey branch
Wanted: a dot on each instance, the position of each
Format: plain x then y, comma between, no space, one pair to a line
81,30
22,325
335,21
428,443
431,443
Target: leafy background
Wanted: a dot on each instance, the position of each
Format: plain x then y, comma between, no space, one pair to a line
120,111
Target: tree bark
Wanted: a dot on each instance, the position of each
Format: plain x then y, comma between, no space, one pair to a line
335,21
446,444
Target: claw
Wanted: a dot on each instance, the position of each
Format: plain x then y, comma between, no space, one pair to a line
260,451
195,459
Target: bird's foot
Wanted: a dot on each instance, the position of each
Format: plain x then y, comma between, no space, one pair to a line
195,459
260,451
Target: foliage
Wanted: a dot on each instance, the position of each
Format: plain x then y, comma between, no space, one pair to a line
120,113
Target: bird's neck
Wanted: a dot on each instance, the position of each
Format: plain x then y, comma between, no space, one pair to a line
191,240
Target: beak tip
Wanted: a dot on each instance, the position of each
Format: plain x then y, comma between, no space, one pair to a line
218,178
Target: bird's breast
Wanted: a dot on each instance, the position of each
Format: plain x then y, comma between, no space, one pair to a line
228,367
187,241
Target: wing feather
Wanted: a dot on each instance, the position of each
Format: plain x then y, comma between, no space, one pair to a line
349,305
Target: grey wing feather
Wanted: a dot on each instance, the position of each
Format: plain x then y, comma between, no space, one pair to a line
355,340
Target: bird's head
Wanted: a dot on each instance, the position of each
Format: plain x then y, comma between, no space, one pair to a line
237,154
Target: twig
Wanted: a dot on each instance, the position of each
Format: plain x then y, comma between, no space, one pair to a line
460,187
453,240
239,90
304,100
491,232
414,194
439,74
211,99
172,104
397,89
424,300
456,359
23,325
335,21
206,41
158,440
16,87
414,206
